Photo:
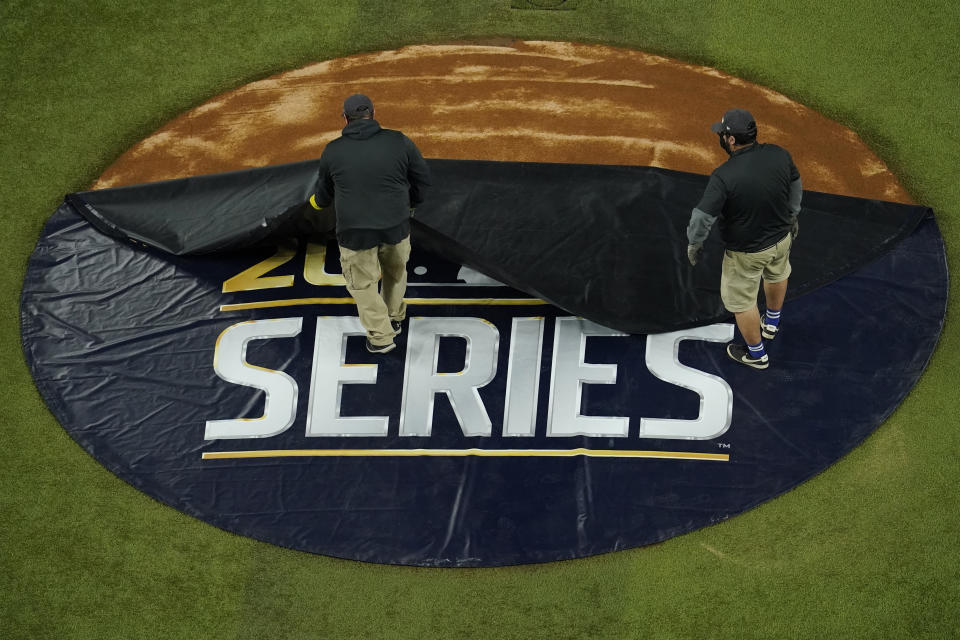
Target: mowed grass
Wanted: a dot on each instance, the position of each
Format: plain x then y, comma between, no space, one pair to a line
866,549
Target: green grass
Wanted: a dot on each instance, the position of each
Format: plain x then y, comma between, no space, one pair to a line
866,549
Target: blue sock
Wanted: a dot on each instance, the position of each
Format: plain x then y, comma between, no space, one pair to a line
773,317
757,350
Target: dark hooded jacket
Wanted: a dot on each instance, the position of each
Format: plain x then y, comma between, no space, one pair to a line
375,175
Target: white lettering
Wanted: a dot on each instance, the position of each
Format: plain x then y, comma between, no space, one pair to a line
422,382
716,396
570,373
280,390
330,373
523,377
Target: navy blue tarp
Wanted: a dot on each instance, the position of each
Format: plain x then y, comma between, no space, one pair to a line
123,342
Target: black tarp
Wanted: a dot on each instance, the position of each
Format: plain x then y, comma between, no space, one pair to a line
202,214
606,243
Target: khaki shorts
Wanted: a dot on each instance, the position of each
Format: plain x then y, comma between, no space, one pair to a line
741,274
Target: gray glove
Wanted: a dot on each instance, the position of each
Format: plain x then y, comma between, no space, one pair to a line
795,229
694,251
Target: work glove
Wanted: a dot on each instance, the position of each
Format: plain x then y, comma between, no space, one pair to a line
694,251
795,229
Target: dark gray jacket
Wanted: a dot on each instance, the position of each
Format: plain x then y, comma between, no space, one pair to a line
375,175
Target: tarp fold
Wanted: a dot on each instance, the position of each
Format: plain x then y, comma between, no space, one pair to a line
607,243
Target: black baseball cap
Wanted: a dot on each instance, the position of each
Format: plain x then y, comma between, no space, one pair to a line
357,105
736,122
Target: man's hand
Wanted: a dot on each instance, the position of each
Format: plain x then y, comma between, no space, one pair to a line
694,251
795,228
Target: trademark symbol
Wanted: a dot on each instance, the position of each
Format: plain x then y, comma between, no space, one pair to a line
723,445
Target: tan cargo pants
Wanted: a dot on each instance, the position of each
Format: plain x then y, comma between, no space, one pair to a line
362,270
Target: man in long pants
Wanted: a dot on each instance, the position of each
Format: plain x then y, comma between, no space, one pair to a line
381,313
376,177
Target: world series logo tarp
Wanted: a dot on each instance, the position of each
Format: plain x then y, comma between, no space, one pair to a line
504,429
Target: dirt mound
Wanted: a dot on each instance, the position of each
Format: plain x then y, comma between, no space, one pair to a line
529,101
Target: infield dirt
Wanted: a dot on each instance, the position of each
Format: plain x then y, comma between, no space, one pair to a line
526,101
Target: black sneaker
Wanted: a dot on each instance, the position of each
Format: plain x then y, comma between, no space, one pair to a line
380,348
740,353
768,331
397,327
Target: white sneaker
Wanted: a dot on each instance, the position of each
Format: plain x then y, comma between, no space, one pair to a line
768,331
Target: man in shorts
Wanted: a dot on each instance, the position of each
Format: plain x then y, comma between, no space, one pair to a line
756,196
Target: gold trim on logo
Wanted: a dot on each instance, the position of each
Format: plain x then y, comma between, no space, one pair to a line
480,302
487,453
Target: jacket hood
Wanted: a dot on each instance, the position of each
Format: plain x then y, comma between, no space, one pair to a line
361,129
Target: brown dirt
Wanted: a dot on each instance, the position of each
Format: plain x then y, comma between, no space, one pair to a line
525,101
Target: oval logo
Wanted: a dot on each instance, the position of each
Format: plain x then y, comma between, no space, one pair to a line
502,430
